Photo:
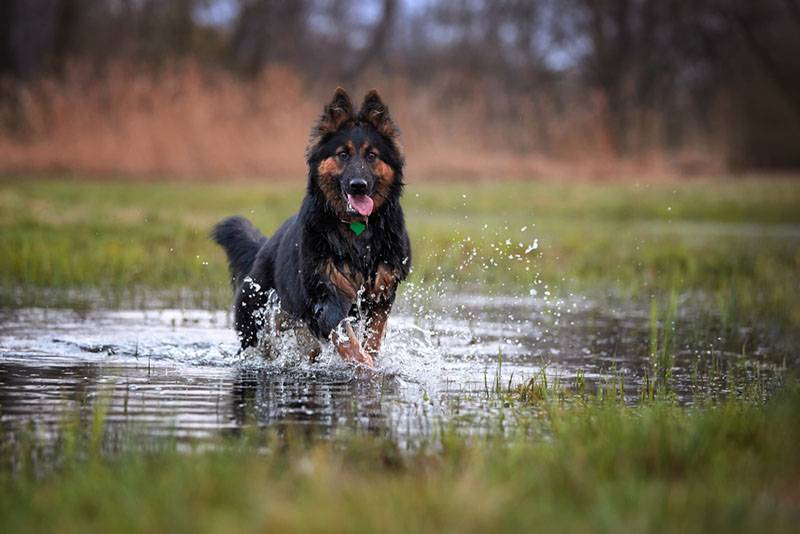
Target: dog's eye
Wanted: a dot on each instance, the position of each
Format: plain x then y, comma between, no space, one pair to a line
371,156
344,156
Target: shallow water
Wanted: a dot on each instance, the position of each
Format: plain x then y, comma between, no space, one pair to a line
176,372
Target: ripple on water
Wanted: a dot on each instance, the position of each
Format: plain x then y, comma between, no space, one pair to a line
178,372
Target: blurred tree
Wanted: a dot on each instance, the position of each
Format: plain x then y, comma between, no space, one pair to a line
660,74
28,31
375,52
269,31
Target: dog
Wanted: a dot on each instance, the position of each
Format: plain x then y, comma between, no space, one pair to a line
343,255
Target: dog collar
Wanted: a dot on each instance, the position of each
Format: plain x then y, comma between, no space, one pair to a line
356,226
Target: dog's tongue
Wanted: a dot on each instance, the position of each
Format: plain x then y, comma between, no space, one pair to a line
362,203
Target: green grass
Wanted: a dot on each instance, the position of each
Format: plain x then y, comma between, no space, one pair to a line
579,466
61,234
576,462
734,243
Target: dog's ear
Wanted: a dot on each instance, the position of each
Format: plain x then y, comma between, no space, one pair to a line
335,114
374,112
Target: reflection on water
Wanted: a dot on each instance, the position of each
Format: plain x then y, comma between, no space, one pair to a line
176,372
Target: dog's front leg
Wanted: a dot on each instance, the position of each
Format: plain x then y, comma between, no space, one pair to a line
381,297
331,315
348,346
331,321
376,328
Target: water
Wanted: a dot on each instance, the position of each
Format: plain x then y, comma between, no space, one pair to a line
177,372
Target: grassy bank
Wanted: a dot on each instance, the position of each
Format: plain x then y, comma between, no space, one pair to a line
584,464
737,242
581,466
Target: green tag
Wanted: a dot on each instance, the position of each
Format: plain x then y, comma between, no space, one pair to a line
357,227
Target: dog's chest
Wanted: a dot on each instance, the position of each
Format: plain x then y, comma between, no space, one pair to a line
359,263
377,285
360,253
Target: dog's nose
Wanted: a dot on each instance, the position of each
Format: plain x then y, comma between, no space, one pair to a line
358,186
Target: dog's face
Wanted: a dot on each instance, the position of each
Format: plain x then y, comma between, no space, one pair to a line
354,159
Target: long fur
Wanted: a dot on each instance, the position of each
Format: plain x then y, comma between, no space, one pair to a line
310,259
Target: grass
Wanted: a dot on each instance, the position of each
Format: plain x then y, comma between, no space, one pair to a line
733,244
575,462
586,465
60,234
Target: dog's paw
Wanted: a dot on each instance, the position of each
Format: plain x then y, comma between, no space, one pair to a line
385,283
348,346
355,354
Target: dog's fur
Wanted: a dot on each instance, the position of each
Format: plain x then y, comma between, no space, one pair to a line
323,273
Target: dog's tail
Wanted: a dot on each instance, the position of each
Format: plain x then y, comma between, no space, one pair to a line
241,241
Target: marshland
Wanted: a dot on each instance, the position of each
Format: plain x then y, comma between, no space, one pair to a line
599,332
584,346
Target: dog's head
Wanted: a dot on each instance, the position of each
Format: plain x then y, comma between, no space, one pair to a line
354,159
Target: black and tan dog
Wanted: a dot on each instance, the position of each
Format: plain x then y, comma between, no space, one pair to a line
344,254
